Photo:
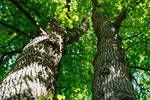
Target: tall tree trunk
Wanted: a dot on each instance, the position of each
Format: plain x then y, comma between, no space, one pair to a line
35,70
111,79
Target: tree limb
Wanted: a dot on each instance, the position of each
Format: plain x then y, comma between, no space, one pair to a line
141,86
136,43
95,4
9,42
68,7
132,36
38,14
15,2
70,34
15,29
75,33
119,19
141,68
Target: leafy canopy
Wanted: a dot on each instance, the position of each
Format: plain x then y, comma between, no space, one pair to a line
76,71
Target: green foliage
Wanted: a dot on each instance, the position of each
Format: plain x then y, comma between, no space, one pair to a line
76,71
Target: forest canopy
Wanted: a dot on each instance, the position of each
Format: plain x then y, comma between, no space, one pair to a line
20,21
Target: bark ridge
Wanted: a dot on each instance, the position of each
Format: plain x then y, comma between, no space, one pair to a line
35,70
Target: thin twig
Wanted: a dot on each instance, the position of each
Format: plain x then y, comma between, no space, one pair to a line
135,44
132,36
141,68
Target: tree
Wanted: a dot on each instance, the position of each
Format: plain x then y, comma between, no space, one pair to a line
35,71
64,20
111,77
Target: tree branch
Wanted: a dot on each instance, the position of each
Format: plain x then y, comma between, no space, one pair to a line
135,44
137,84
15,29
141,68
70,34
119,19
75,33
8,43
38,14
132,36
141,86
15,2
95,4
68,7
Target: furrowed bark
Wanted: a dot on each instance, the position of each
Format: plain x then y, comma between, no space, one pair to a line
35,71
111,79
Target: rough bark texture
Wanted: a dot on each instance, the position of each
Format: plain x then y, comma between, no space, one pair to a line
35,70
111,79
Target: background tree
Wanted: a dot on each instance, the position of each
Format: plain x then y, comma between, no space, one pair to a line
111,75
76,72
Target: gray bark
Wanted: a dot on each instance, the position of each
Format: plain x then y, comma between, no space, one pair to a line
111,79
35,70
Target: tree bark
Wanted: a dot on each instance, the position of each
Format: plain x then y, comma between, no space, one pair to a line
35,70
111,79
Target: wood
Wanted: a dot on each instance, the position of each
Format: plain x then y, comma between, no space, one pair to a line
35,70
111,79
